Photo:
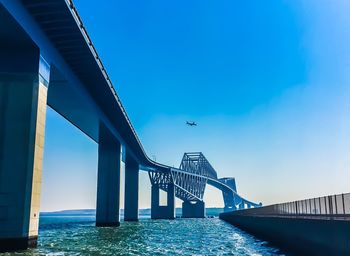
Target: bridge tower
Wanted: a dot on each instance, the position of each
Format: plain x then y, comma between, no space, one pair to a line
195,164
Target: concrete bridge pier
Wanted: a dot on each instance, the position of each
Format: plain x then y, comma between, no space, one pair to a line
108,180
163,212
131,209
24,78
193,209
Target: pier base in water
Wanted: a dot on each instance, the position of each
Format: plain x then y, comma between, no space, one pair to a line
166,211
193,209
15,244
108,181
131,202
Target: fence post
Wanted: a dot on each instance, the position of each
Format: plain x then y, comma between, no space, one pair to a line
336,205
306,201
315,211
289,208
319,204
342,196
302,207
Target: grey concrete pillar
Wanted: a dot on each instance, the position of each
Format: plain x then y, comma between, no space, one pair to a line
171,201
163,212
131,202
108,180
229,199
154,201
23,98
193,209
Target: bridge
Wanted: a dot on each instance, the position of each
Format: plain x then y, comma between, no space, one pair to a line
188,183
48,59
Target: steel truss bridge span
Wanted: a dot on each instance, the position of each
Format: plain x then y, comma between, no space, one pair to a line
190,180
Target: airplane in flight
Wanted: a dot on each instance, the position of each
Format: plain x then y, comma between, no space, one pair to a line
191,123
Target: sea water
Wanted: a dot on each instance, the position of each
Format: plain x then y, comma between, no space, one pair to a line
77,235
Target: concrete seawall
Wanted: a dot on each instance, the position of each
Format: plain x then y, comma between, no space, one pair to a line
304,235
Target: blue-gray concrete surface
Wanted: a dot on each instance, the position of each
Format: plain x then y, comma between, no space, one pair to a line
193,210
108,180
300,235
131,208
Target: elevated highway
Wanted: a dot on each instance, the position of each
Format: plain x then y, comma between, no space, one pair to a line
48,59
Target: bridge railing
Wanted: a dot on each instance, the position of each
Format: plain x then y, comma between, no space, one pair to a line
333,205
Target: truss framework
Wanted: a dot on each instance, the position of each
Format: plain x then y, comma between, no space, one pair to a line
191,178
196,163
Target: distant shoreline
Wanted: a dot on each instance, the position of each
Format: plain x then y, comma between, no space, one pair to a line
147,211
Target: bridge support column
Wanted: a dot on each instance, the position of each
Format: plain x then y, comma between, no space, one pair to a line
193,209
230,208
241,206
163,212
108,180
23,96
131,211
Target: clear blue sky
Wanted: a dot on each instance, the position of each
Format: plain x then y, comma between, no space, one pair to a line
267,81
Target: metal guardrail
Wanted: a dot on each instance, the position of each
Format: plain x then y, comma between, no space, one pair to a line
93,50
338,205
98,60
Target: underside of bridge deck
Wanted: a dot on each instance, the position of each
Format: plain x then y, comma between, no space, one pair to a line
33,75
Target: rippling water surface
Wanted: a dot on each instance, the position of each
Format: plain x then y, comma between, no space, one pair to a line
79,236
